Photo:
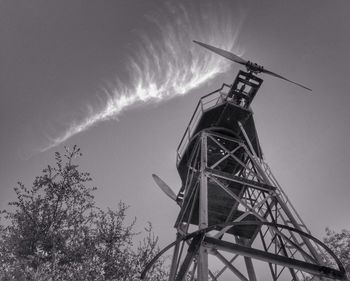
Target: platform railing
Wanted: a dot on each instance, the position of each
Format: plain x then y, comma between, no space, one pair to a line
206,102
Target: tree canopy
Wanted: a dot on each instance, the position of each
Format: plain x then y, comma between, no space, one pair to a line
55,231
339,243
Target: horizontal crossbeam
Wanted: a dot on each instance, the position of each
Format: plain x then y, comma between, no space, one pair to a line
250,183
272,258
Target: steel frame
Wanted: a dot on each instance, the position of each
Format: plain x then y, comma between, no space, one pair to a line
288,254
248,217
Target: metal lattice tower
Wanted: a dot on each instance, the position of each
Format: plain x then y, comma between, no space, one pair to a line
232,207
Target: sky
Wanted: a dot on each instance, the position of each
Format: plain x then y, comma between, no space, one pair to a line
121,80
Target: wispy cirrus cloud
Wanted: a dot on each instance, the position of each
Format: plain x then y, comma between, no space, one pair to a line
166,65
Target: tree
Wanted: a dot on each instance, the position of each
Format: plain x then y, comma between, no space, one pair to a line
339,243
55,231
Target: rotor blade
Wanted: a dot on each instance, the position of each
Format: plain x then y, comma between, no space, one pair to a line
239,60
223,53
163,186
281,77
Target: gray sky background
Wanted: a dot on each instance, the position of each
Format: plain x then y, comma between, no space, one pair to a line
57,58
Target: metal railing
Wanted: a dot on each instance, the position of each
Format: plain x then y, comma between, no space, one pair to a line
206,102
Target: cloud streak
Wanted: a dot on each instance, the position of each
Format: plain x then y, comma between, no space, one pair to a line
166,65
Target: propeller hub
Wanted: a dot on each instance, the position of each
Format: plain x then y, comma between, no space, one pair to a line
254,67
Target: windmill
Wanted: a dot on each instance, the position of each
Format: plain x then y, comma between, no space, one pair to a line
231,206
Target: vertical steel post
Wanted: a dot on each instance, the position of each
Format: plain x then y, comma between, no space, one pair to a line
175,259
250,269
203,209
248,260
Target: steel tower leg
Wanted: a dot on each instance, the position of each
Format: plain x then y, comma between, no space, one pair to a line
282,204
203,209
248,261
172,272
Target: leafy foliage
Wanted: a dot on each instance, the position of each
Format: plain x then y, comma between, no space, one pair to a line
56,232
339,243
